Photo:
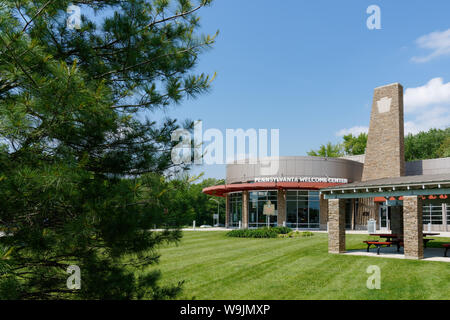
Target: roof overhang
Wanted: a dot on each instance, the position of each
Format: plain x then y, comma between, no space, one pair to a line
391,187
348,194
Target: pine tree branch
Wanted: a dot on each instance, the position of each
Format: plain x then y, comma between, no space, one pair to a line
180,15
36,15
148,61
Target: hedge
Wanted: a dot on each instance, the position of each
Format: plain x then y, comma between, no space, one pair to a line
259,233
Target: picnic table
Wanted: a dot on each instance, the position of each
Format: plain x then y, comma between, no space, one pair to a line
429,234
377,244
389,236
392,238
446,246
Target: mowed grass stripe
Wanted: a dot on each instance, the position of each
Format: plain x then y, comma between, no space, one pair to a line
218,267
260,264
249,270
247,253
229,248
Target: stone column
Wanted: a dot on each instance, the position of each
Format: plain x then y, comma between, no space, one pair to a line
281,204
336,225
413,227
323,212
227,211
245,197
397,220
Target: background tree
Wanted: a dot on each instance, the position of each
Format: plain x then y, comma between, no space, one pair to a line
329,150
355,145
444,149
77,153
434,143
202,205
186,202
425,145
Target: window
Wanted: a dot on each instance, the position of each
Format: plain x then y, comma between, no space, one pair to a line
302,209
432,213
447,205
257,201
235,209
348,213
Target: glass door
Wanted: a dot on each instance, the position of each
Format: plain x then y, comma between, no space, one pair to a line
384,218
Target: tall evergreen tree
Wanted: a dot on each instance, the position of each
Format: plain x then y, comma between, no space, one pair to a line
75,149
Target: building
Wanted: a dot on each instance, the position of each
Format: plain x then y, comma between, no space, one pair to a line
345,193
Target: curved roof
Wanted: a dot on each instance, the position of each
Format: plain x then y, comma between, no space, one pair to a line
247,171
223,189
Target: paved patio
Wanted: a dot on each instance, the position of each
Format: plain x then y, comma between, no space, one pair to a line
430,254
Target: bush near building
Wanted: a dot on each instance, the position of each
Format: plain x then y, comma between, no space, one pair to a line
260,232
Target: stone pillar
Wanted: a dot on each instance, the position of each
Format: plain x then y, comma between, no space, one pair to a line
397,220
245,197
385,156
323,212
336,225
413,227
281,204
227,211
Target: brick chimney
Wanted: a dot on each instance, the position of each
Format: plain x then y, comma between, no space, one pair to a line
385,154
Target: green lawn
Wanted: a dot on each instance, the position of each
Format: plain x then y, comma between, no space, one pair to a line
218,267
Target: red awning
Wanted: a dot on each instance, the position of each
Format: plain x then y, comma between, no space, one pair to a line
222,190
382,199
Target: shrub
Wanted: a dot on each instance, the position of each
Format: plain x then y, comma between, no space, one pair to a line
283,235
275,232
297,234
281,230
264,232
294,234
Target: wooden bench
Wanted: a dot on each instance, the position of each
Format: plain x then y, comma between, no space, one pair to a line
369,243
446,246
377,244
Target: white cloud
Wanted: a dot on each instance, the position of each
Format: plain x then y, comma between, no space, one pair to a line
426,107
435,117
434,92
438,42
356,131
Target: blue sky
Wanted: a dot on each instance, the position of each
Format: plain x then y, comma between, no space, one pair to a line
308,68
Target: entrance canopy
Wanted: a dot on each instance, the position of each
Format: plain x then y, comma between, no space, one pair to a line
222,190
406,220
423,185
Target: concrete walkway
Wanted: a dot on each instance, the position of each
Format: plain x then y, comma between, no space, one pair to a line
441,234
430,254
